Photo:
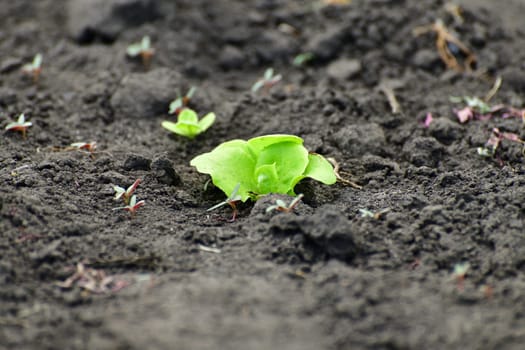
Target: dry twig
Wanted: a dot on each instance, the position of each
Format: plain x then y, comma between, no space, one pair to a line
450,49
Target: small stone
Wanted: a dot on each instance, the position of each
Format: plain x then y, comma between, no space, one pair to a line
344,69
424,151
164,171
89,20
326,45
145,95
358,140
445,130
7,96
514,78
50,251
373,163
426,59
231,58
137,162
10,64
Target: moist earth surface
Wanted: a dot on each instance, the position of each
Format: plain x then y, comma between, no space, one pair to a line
76,274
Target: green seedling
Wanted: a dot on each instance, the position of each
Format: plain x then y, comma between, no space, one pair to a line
85,146
126,194
142,49
474,102
303,59
181,102
34,68
20,125
460,271
267,81
336,2
188,123
492,145
281,206
262,165
365,213
133,206
232,200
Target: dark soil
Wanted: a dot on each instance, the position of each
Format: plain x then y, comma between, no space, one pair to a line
322,277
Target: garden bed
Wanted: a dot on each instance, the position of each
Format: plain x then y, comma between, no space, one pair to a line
76,274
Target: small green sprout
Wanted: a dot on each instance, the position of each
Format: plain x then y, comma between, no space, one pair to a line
267,81
336,2
280,205
181,102
303,59
132,206
142,49
34,68
188,123
20,125
126,194
232,199
262,165
365,213
86,146
473,102
460,271
492,145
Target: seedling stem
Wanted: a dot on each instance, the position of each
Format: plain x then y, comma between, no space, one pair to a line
282,207
231,201
20,125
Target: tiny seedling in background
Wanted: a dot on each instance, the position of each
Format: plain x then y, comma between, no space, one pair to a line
232,200
492,145
336,2
188,123
428,120
365,213
267,81
303,59
142,49
479,109
20,125
460,271
126,194
85,146
132,206
280,205
34,68
182,102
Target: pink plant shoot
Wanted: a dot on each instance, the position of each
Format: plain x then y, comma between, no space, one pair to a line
133,206
126,194
20,125
428,119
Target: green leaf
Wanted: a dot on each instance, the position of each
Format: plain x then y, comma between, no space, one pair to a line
268,74
290,161
183,129
145,43
267,179
258,85
229,164
175,104
320,169
188,123
37,61
207,121
258,143
188,116
134,50
262,165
